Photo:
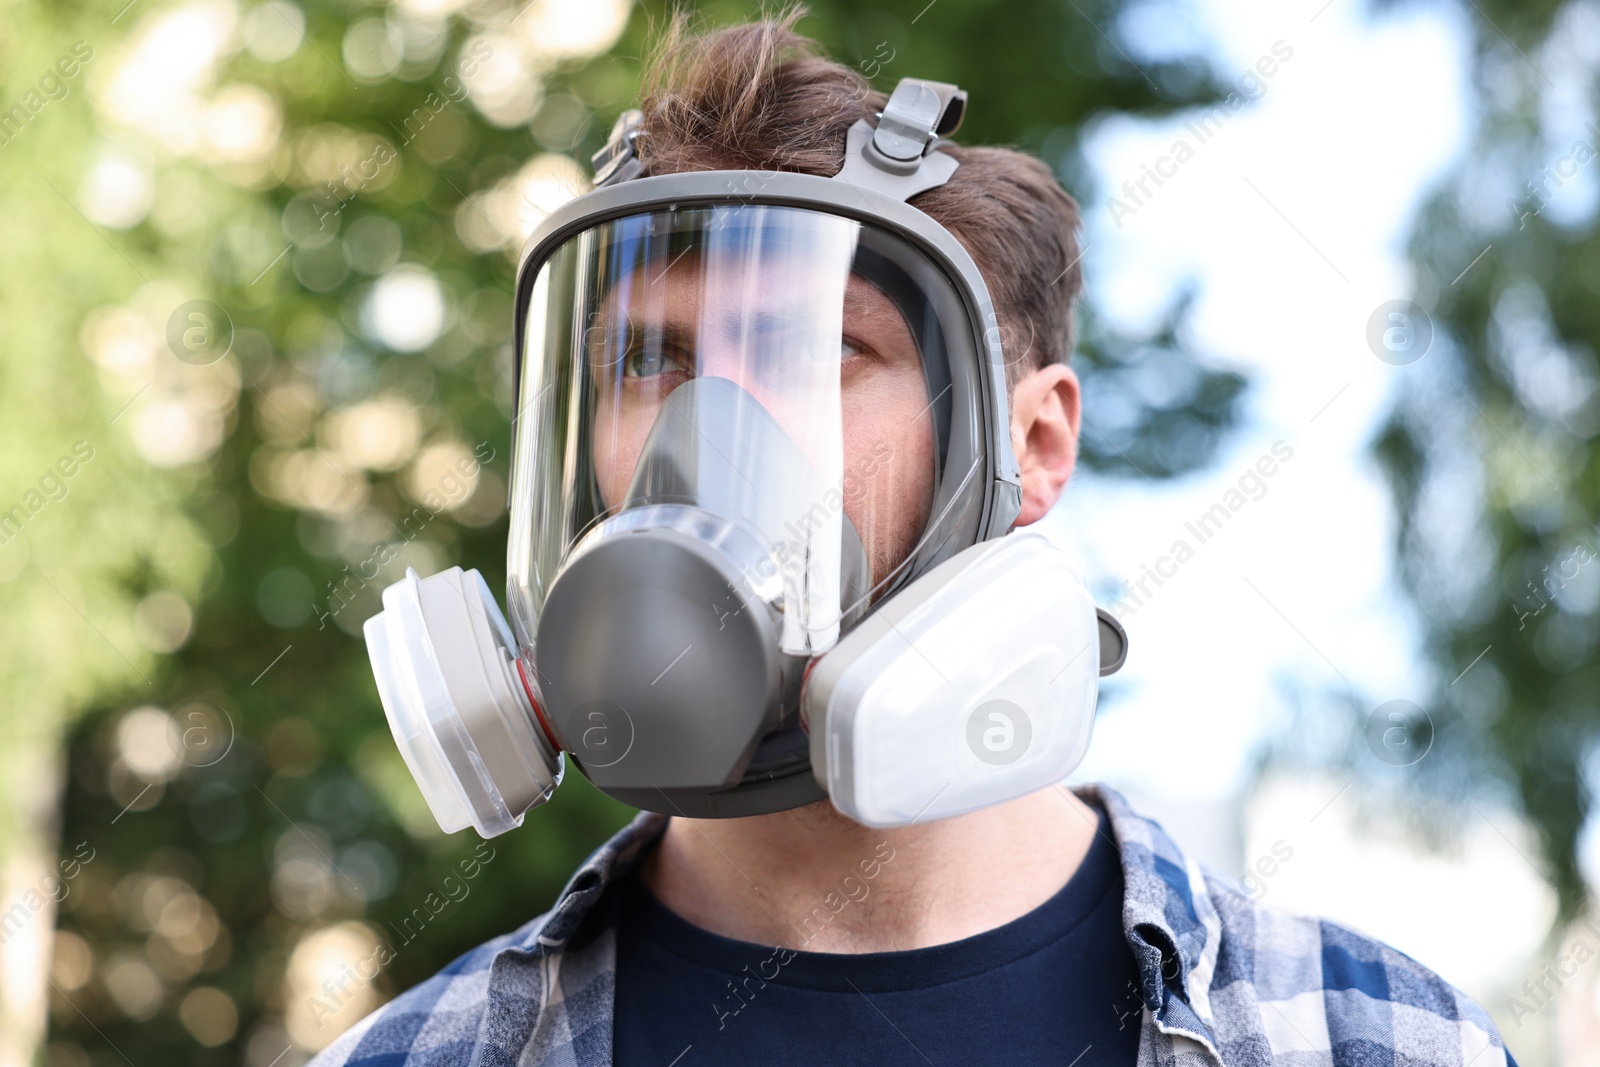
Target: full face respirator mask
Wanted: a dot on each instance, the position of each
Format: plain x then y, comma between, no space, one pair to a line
762,490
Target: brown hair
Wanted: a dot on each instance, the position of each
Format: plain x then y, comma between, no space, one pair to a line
758,97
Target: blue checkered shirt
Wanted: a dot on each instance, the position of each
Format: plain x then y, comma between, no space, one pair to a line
1223,980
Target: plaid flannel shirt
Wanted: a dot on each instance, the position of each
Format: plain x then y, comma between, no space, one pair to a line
1224,980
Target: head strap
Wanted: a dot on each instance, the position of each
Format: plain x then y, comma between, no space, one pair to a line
895,157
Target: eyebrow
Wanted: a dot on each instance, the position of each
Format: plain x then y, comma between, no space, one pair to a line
856,299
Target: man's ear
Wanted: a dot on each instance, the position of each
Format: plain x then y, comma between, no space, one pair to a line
1045,408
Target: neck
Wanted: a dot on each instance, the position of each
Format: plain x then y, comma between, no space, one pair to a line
813,880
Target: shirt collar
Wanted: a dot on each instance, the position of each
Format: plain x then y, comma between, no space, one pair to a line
609,862
1168,917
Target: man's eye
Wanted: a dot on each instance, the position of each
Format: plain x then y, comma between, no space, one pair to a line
648,361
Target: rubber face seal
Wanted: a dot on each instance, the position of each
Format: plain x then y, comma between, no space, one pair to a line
751,798
657,672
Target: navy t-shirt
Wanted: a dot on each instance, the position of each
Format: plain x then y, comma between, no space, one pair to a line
1057,985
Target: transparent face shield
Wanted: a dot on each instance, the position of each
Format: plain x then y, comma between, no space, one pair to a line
781,374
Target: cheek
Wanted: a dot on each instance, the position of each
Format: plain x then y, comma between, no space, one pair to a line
888,452
618,439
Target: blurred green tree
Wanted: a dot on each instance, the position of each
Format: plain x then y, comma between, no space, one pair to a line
1491,448
348,187
99,568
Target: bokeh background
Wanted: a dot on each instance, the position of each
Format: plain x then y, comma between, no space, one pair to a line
255,279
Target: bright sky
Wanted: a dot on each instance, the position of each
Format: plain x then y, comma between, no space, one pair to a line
1292,216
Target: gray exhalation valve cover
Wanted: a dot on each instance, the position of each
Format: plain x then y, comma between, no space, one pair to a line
648,686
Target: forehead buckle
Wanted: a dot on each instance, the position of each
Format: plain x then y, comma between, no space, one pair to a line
917,114
897,157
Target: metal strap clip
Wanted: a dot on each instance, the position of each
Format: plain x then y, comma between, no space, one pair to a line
618,160
918,113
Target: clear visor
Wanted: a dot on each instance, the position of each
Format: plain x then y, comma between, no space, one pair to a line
777,379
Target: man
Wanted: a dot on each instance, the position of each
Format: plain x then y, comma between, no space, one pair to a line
767,363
